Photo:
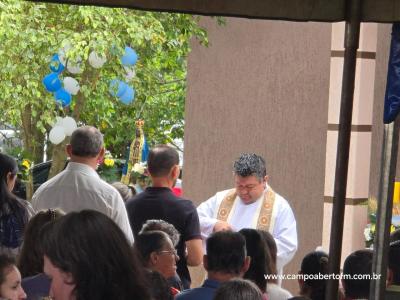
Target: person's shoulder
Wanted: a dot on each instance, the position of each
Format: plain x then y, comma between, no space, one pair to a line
49,183
199,293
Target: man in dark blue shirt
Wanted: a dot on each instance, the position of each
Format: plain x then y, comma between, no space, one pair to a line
226,259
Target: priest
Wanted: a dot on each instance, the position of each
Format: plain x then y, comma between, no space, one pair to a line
251,204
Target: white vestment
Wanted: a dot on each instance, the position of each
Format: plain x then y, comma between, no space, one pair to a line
282,226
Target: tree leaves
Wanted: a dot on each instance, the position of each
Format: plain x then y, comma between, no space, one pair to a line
30,33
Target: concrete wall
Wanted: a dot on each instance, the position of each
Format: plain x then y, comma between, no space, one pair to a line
261,86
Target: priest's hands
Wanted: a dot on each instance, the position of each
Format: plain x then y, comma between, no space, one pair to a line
221,225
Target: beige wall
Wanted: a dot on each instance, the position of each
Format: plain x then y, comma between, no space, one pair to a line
261,86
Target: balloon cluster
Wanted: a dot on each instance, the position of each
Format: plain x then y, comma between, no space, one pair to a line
63,90
63,127
121,89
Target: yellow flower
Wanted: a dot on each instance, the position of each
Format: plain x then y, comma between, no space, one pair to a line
109,162
392,228
26,163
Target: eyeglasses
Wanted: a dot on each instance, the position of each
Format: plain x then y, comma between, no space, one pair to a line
173,252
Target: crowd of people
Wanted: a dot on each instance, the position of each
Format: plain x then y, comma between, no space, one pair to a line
79,239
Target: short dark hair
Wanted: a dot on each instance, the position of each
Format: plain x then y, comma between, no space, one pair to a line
358,262
30,260
86,141
258,251
161,159
226,252
314,263
168,228
394,261
238,289
5,263
250,164
148,242
94,250
273,253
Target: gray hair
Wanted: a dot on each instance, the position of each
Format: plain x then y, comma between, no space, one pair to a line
126,192
164,226
86,141
250,164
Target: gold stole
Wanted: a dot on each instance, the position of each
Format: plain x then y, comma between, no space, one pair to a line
265,211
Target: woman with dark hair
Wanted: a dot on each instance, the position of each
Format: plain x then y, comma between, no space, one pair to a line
313,264
258,252
14,212
88,257
238,289
274,291
30,261
157,253
10,279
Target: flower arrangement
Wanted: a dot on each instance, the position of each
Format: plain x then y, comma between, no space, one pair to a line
370,229
140,176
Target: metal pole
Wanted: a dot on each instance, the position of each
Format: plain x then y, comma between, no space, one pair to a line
385,205
352,35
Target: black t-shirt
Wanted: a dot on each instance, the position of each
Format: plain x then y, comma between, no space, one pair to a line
161,203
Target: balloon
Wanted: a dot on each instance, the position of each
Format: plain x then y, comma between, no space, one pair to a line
96,61
130,57
51,82
71,85
130,73
56,135
128,96
63,97
58,121
62,53
117,87
56,65
69,125
74,67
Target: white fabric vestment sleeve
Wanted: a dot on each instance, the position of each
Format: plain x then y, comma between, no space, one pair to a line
206,212
285,234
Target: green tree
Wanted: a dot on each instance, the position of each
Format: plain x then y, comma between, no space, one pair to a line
30,33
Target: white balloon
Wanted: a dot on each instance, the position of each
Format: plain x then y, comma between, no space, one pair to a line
69,125
71,85
96,61
58,121
74,67
129,73
62,53
56,135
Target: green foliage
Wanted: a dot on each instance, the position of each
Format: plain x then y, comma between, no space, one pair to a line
30,33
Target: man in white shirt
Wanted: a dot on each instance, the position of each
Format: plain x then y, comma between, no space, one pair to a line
251,204
79,187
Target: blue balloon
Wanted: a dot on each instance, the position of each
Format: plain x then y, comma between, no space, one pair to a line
63,97
128,96
117,87
56,65
51,82
130,57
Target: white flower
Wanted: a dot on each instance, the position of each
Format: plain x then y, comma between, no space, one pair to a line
367,233
139,168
